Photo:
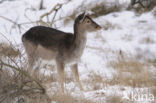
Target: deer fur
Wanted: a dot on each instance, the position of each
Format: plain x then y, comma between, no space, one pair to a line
65,48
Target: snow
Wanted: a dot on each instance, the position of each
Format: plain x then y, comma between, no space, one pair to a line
125,33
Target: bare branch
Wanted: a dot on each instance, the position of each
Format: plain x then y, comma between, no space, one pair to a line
54,10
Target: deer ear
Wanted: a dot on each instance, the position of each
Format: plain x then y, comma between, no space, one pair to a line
83,16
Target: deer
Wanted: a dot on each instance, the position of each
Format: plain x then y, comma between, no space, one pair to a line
64,48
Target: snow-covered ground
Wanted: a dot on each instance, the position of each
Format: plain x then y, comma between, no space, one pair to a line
124,33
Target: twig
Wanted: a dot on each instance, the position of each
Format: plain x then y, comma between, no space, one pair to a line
48,13
15,23
6,38
18,24
55,9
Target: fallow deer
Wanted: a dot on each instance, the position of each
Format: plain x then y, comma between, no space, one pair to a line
65,48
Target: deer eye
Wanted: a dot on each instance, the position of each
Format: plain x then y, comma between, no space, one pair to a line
88,21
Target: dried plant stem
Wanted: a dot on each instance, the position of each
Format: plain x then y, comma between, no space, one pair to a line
23,73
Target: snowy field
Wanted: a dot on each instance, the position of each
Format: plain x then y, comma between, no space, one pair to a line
118,61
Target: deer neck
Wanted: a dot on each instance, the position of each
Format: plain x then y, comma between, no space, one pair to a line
79,36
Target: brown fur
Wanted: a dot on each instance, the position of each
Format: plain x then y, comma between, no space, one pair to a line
64,48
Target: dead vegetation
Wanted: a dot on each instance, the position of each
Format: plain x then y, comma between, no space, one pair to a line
16,84
114,99
147,40
147,4
142,6
68,98
8,50
105,8
132,72
95,81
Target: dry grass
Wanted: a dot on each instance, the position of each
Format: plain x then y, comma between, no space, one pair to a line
16,85
132,72
129,72
105,8
68,98
139,10
94,82
114,99
143,6
147,40
8,50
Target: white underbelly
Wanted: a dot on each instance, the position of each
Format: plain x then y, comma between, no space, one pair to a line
46,53
74,57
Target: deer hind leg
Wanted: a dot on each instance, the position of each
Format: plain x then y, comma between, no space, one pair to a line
76,74
30,49
60,70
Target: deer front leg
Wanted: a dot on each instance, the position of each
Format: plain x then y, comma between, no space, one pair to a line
76,74
60,70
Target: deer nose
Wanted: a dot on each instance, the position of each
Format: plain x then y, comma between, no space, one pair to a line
98,27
